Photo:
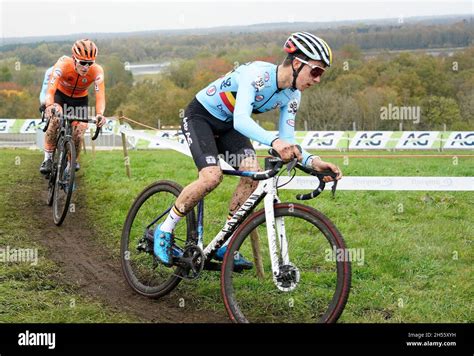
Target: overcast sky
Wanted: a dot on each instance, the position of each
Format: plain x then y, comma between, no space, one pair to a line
42,18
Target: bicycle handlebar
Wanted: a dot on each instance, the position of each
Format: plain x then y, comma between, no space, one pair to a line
320,175
269,173
322,184
72,118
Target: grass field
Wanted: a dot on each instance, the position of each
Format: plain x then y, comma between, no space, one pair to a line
418,253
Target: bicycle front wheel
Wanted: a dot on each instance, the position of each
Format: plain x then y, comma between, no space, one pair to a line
313,284
52,179
64,183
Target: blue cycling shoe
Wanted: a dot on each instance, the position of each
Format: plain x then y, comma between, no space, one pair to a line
162,246
239,260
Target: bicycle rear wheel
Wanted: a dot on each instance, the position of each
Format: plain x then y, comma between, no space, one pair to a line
141,269
314,286
64,183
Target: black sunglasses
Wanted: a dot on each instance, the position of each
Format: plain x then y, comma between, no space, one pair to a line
84,63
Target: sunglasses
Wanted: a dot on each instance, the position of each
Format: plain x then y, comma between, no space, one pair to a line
84,63
316,71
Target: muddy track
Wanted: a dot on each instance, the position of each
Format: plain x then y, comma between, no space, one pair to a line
91,269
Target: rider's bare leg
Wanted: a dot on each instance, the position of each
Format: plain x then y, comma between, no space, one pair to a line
52,131
77,136
246,185
209,179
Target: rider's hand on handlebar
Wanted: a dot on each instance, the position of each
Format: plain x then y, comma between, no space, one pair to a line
320,165
101,121
287,151
52,110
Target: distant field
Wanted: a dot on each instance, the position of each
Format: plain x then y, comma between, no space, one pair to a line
418,245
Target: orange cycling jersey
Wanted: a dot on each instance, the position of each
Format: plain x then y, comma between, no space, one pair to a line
65,78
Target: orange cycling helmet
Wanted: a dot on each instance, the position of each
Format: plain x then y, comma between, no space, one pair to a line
84,50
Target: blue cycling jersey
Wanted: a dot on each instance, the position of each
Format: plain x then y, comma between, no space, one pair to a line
252,88
44,88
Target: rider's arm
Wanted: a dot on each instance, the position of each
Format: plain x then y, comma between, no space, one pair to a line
99,88
243,122
286,127
53,83
44,87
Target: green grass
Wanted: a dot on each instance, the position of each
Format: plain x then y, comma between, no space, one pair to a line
418,253
417,245
29,292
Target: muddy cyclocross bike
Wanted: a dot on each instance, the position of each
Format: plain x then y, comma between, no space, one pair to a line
295,277
61,179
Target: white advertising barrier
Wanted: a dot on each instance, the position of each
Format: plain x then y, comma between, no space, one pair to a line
418,140
385,183
5,125
347,183
309,140
31,125
369,140
322,140
460,140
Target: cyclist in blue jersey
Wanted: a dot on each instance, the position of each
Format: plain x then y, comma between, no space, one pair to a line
44,89
218,122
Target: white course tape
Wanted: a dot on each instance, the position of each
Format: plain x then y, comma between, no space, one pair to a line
174,145
385,183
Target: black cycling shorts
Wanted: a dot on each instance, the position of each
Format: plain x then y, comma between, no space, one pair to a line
72,106
208,137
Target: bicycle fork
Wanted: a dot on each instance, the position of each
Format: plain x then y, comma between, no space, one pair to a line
277,242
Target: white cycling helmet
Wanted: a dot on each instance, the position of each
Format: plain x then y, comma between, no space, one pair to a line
311,46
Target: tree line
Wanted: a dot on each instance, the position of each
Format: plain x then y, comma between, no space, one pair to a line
353,93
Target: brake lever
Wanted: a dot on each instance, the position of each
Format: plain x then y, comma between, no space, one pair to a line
333,189
290,166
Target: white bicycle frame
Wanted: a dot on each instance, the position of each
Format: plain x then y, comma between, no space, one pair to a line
277,242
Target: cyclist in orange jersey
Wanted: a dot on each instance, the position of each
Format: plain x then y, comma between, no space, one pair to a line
66,93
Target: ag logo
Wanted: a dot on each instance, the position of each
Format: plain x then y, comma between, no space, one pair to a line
291,122
259,97
293,107
266,76
84,80
226,83
258,84
211,90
